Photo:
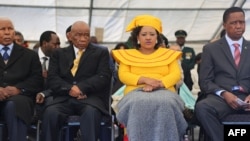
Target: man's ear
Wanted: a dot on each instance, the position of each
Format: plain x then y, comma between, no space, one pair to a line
68,35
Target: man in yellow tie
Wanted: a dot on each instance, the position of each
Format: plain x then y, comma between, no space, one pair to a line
80,85
76,62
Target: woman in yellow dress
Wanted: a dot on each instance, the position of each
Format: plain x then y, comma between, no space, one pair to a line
151,110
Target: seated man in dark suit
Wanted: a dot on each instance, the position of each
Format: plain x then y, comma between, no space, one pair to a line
49,41
224,75
21,78
79,76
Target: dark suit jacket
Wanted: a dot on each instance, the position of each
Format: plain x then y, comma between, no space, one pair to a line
23,71
92,77
218,70
47,92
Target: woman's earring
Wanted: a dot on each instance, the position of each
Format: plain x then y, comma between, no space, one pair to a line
138,42
156,42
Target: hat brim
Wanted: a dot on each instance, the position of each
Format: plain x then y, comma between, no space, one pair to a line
180,36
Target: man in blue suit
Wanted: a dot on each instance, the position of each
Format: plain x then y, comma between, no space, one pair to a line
222,79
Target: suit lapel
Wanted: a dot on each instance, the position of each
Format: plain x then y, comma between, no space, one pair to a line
69,55
15,54
226,49
245,51
89,50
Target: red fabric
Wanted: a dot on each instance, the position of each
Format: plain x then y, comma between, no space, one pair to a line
125,138
122,126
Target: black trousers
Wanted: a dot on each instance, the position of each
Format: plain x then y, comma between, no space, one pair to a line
17,128
55,116
210,111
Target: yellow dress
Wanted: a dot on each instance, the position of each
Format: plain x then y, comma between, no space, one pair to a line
161,64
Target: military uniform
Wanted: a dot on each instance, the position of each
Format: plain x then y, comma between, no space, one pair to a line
188,59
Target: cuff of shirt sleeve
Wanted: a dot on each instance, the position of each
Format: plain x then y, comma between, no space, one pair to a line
219,93
42,94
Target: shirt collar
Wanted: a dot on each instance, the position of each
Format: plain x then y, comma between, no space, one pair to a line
10,46
76,49
41,54
231,42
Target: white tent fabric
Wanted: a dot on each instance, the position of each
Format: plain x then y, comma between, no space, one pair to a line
202,19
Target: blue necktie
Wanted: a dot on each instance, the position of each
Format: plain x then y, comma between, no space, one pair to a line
5,54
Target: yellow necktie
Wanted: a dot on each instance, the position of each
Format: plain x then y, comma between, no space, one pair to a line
76,62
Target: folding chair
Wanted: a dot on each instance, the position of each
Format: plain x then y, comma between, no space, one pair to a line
36,128
189,101
2,132
237,119
69,131
232,119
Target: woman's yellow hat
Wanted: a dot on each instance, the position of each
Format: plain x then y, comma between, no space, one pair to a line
145,20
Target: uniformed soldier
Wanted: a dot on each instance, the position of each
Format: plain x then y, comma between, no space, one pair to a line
188,57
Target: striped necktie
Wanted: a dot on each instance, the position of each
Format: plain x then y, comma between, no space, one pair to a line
236,54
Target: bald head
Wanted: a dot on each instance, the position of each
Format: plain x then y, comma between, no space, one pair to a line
5,19
77,24
7,31
80,34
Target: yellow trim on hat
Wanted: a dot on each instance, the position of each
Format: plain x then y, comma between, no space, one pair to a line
145,20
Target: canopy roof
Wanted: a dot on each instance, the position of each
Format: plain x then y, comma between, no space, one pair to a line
201,19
